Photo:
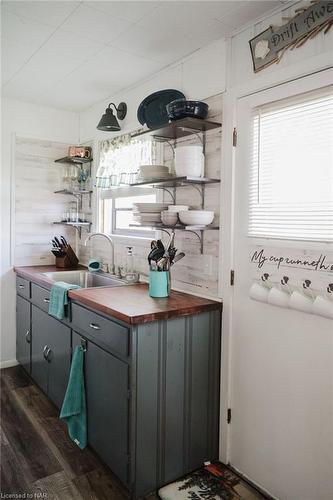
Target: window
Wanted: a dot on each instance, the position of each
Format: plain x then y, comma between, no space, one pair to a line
291,171
119,163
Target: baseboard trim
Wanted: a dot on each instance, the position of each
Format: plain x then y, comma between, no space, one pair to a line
8,364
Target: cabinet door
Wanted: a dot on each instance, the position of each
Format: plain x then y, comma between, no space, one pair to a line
39,365
106,381
50,355
23,333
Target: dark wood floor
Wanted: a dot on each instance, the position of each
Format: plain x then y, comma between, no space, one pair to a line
37,457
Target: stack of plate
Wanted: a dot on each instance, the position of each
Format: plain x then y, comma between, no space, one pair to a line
146,213
151,172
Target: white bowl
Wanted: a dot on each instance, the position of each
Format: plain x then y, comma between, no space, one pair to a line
169,218
196,217
177,208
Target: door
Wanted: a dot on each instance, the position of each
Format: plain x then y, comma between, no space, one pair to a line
281,359
106,382
50,355
23,333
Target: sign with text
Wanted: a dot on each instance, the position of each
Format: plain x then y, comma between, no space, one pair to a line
269,46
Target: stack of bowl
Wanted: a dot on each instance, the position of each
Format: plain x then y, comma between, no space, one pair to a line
148,172
170,216
189,161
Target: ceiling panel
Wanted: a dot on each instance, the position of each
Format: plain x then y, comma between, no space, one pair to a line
51,13
71,54
131,11
95,24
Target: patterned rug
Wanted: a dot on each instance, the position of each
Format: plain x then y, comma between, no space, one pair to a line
212,482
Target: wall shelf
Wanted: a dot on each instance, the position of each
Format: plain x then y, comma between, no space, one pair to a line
77,225
197,230
179,128
73,160
77,194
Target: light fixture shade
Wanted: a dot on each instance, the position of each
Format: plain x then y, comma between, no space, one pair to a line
109,122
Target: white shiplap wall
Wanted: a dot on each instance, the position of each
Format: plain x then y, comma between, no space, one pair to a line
36,177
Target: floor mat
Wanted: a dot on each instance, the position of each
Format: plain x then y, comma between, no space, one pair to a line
212,482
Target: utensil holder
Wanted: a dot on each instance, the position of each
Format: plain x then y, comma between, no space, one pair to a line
159,284
69,260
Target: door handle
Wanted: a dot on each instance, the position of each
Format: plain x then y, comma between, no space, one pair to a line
94,326
46,300
44,351
27,336
48,354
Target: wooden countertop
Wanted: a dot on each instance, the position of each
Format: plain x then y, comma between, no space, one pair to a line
128,303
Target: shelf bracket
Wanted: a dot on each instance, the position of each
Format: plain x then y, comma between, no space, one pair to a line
199,235
173,196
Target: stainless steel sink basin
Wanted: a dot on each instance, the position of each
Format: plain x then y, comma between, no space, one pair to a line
85,279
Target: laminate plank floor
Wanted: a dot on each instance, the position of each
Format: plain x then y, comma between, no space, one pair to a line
37,457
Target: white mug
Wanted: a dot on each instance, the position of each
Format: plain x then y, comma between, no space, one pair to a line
278,297
258,292
323,307
300,302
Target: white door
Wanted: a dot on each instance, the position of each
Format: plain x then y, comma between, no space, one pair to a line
281,359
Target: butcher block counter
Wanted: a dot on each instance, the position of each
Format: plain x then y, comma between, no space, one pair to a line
129,303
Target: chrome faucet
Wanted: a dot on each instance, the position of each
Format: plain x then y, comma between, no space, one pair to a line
111,266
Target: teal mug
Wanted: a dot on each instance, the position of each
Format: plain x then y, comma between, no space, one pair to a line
159,284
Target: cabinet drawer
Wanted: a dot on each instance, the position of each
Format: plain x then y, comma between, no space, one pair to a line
105,332
23,287
40,297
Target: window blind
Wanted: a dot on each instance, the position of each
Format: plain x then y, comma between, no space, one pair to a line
291,168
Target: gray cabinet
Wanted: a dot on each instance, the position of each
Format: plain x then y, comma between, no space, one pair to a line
23,332
50,356
106,383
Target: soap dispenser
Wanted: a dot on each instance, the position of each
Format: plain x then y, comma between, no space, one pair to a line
130,275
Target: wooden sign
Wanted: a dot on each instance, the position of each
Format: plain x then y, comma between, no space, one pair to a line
269,46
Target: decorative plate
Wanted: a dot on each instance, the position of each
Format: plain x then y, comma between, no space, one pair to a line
152,109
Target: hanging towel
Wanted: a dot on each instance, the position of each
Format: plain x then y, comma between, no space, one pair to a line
59,298
73,410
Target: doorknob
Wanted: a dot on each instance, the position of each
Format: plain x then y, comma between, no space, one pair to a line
27,336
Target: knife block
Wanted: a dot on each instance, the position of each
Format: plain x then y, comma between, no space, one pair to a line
69,260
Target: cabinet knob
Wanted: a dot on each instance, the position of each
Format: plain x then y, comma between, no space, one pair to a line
27,336
21,286
44,351
46,300
94,326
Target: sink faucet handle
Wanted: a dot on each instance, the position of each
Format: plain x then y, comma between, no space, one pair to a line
105,267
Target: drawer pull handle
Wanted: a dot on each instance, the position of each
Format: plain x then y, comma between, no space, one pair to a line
27,336
44,351
94,326
21,287
46,300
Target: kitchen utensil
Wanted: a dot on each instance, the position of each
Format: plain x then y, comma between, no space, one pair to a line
196,217
177,258
152,110
63,241
181,108
153,244
160,245
57,242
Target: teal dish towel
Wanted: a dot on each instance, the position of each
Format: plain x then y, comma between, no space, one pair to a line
73,410
59,298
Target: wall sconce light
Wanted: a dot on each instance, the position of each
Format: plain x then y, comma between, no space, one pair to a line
109,122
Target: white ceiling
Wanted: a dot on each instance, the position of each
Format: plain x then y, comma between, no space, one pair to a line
72,54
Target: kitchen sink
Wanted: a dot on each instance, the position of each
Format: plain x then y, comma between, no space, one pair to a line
85,279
